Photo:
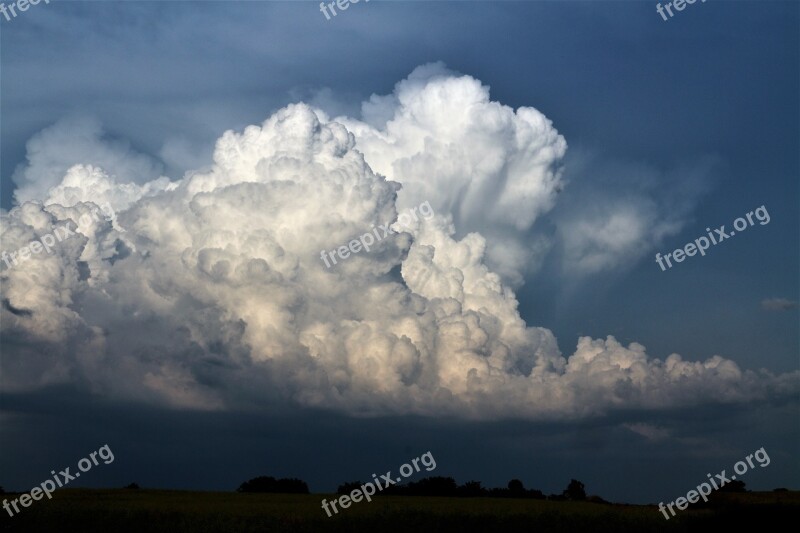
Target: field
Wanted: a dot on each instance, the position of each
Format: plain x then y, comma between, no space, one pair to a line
122,510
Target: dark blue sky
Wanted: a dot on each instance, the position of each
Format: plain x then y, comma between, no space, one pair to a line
717,87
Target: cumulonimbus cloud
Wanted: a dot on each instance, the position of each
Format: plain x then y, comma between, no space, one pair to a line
215,297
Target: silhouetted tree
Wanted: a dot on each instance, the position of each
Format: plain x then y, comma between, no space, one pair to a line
270,484
471,489
2,491
132,486
433,486
497,492
347,488
516,488
535,494
575,491
733,486
292,486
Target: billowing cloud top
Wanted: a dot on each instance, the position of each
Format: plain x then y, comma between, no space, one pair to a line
209,292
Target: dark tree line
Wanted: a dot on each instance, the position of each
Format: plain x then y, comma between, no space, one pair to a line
429,486
447,486
441,486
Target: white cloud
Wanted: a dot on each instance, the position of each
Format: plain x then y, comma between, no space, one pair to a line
214,295
494,169
73,141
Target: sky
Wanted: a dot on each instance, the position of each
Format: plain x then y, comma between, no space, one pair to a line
206,153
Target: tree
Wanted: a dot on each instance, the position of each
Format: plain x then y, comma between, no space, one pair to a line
132,486
575,491
516,488
433,486
733,486
535,494
471,489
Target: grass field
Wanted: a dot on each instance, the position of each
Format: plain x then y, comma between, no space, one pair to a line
89,511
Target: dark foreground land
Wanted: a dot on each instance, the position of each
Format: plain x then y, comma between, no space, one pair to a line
123,510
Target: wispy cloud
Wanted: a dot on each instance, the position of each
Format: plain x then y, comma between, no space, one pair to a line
778,304
649,431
